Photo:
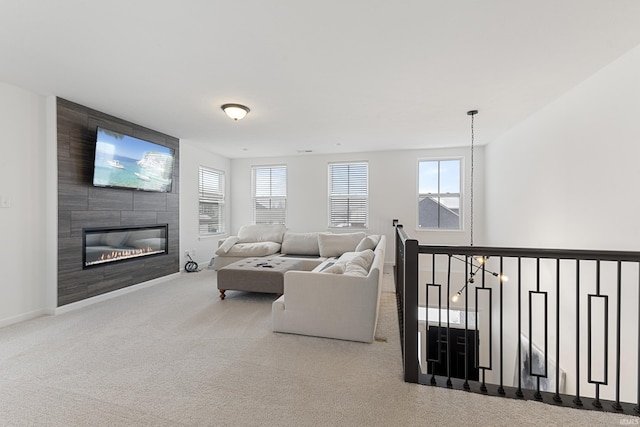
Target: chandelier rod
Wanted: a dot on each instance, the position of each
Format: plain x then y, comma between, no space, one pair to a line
472,113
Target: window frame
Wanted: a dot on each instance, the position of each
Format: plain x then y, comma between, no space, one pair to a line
220,201
460,194
271,198
349,196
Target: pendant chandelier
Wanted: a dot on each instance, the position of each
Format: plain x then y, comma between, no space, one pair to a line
476,263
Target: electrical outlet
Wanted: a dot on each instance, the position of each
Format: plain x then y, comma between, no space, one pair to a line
5,202
193,252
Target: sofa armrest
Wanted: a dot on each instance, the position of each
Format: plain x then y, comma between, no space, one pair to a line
327,293
328,305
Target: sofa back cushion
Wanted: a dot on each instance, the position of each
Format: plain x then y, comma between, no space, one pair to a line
369,242
261,233
337,244
300,244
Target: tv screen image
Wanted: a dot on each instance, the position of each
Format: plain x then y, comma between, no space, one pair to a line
126,162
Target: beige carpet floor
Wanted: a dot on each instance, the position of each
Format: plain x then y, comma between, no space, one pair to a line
175,355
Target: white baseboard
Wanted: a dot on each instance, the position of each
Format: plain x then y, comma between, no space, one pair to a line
113,294
23,317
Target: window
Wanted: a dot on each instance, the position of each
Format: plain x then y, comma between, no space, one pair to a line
439,194
348,194
211,195
269,194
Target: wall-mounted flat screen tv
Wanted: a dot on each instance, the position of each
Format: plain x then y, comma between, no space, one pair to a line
123,161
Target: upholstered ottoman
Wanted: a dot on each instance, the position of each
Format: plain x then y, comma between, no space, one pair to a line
256,275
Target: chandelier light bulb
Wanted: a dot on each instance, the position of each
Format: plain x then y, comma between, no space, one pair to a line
456,296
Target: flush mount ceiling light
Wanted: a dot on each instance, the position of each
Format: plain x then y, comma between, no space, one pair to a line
235,111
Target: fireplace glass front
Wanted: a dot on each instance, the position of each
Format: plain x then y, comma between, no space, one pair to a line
115,244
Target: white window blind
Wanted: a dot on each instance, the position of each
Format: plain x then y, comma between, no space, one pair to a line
269,194
211,195
348,195
439,194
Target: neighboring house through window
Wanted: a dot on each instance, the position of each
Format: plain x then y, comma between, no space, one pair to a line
211,196
269,192
348,195
439,194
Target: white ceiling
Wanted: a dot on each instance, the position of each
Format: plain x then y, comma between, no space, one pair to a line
328,76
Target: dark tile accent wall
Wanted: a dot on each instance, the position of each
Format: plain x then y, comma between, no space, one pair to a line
81,205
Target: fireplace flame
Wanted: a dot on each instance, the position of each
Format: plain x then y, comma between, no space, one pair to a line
124,254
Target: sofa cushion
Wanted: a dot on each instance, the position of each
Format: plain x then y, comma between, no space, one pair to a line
369,242
300,244
347,256
254,249
337,268
355,270
227,244
261,233
337,244
360,264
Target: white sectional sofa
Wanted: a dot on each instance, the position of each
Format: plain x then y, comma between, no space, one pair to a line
341,301
269,240
334,291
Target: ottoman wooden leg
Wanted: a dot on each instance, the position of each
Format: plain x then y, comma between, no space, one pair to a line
222,291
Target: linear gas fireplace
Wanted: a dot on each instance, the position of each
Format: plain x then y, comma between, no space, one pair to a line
116,244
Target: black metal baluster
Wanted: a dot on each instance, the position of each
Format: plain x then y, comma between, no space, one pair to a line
637,407
617,405
483,385
501,387
577,399
519,392
596,403
433,281
556,397
466,325
537,393
449,383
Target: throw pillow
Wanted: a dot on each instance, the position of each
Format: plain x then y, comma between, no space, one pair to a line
355,270
337,244
360,265
369,242
227,244
337,268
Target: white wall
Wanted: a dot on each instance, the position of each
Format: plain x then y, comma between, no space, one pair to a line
392,192
191,158
568,178
23,291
